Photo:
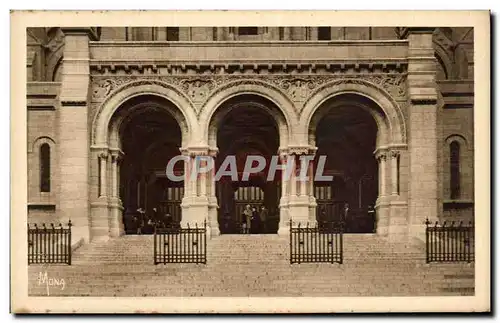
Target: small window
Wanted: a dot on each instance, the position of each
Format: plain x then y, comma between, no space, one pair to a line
282,33
454,170
45,168
242,31
172,33
324,33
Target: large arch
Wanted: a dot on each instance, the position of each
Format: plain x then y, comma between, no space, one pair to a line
242,125
284,112
130,104
385,111
388,136
184,112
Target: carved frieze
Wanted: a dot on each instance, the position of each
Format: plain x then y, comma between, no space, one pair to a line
199,88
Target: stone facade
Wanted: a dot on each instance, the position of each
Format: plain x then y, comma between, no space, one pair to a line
416,84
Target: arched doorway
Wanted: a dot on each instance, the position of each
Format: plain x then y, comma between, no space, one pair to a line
149,137
247,125
346,133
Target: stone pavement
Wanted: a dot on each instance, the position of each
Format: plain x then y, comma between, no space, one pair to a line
255,265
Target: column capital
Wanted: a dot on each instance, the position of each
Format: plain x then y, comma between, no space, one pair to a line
381,153
394,153
103,154
194,151
116,155
301,150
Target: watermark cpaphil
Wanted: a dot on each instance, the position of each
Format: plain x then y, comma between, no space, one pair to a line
254,164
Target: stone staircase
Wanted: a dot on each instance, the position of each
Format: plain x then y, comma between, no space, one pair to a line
254,265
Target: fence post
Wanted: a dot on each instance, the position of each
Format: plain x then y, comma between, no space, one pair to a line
154,244
205,241
341,233
69,242
427,222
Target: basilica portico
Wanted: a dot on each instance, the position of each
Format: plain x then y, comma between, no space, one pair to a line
371,109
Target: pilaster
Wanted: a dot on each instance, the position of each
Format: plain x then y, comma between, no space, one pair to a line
423,150
199,203
301,201
116,226
382,203
73,147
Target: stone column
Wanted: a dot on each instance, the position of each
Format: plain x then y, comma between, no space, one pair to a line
312,198
292,180
100,207
398,218
103,164
423,141
382,205
283,228
116,227
299,204
213,206
195,206
73,129
394,154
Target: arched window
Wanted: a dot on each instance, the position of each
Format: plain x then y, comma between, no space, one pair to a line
45,168
454,170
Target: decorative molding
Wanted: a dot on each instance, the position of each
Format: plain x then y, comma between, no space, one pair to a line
254,68
424,101
73,103
198,89
116,155
394,153
301,150
199,151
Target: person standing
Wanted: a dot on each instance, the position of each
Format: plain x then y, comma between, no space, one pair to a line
373,217
255,221
248,219
140,220
263,218
345,215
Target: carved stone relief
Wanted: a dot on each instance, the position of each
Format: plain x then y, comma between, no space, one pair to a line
199,88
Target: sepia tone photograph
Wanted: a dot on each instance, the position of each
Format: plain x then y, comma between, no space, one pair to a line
252,161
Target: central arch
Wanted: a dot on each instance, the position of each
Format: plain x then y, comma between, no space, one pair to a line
283,109
243,125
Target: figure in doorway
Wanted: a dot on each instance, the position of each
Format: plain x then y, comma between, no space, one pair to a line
345,216
139,220
254,221
263,219
373,217
247,218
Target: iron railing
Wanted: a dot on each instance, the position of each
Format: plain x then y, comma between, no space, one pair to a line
449,242
322,242
175,244
49,244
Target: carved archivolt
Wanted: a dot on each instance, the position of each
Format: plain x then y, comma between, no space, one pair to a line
298,89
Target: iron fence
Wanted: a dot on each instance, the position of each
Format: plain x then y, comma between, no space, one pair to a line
174,244
322,242
49,244
449,242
